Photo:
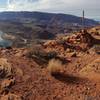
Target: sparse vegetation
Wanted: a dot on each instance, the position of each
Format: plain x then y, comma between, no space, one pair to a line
64,68
41,56
5,68
55,66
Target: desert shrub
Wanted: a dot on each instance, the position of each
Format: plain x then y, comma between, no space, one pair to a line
40,56
54,66
51,55
33,50
5,68
40,53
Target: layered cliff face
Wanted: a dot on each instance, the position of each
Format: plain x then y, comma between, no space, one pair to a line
66,68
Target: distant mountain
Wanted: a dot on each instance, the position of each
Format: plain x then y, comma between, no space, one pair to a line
39,25
45,18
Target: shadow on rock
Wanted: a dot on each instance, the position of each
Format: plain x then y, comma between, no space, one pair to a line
66,78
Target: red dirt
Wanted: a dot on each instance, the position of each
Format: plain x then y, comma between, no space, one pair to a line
35,83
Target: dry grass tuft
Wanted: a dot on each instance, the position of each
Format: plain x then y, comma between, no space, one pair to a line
5,68
55,66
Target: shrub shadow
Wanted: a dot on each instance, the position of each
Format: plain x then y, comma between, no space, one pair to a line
66,78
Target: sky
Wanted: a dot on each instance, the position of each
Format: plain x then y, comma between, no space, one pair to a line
74,7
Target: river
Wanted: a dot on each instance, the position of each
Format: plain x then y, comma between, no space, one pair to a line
3,42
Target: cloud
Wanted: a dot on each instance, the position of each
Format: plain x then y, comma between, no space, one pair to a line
40,4
59,6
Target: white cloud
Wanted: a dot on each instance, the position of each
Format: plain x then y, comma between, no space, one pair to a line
60,6
41,4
